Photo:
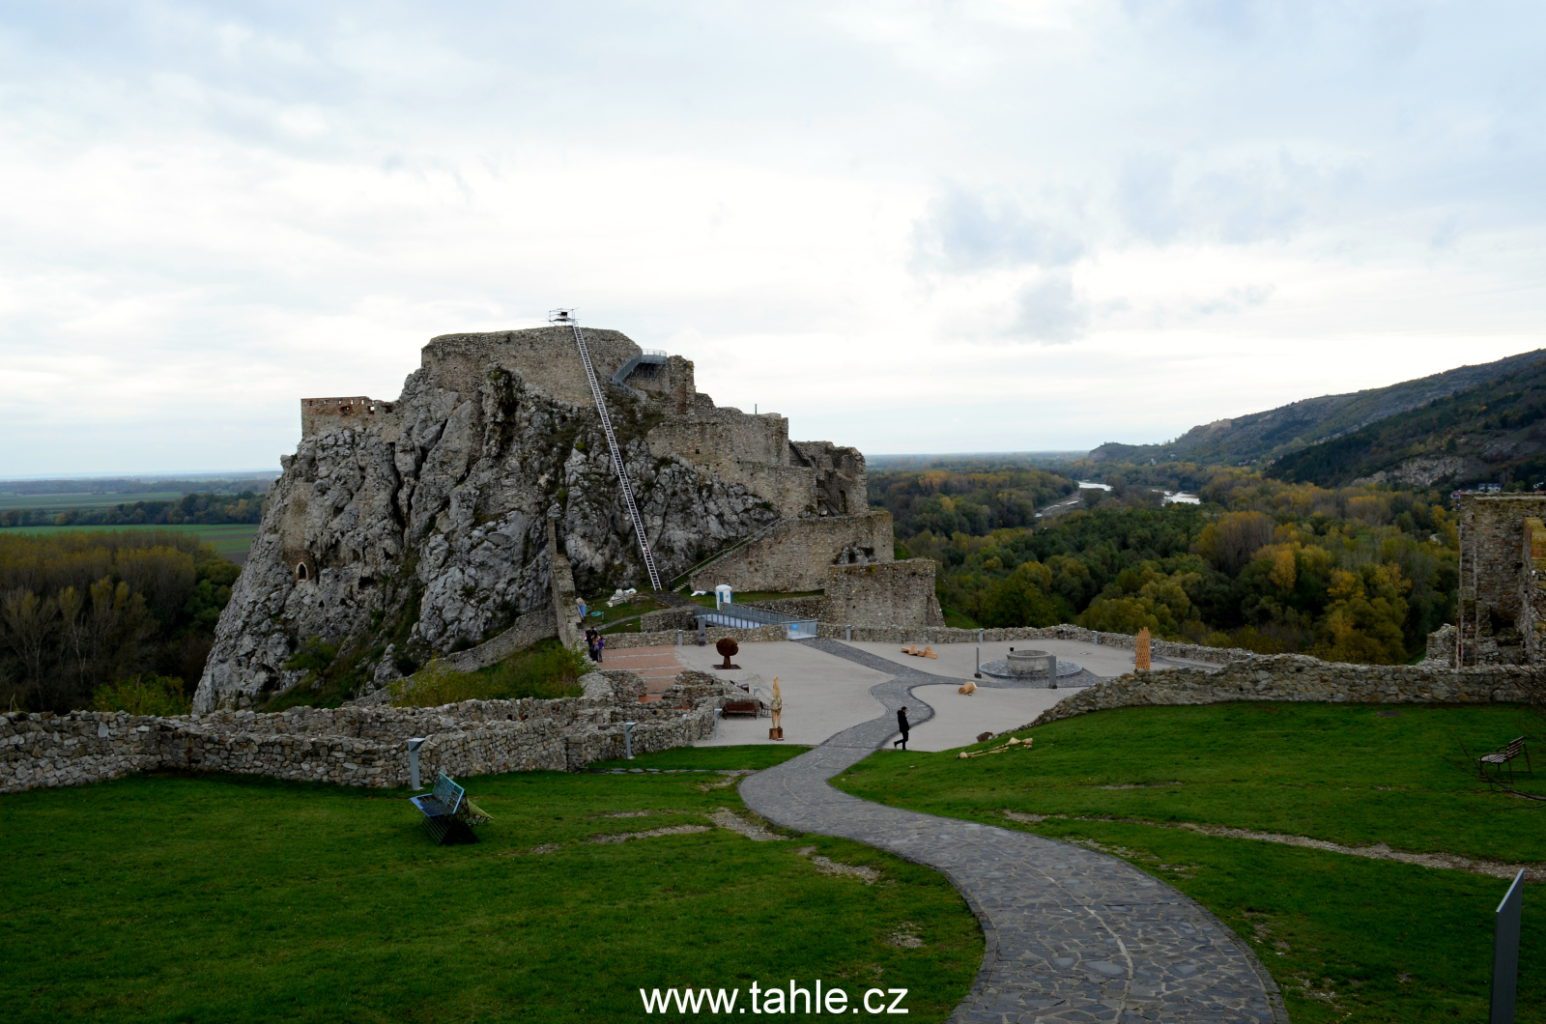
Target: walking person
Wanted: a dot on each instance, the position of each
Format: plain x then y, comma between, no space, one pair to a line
901,723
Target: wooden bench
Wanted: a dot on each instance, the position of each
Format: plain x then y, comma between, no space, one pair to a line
752,707
448,814
1500,759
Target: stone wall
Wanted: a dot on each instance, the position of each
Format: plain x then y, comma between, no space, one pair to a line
527,630
352,746
796,553
672,382
545,358
670,637
1495,576
748,449
887,594
841,482
1441,647
1289,677
950,635
354,411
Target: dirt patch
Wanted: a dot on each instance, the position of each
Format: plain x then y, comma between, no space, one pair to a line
726,780
906,937
725,818
535,851
628,814
1029,819
669,830
827,866
1378,851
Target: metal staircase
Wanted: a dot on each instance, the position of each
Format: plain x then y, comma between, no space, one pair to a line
566,316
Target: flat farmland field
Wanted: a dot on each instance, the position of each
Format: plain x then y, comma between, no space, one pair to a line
231,540
65,501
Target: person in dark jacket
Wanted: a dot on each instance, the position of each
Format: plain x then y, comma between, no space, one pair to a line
901,723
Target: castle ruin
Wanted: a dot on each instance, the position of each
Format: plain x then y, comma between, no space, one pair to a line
516,469
1501,614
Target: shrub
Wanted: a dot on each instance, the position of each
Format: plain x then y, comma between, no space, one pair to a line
142,695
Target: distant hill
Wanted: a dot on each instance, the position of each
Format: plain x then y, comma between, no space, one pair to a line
1272,436
1495,432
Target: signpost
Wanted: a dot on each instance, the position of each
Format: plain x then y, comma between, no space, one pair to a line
1505,953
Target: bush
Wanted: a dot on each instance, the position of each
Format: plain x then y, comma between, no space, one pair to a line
142,695
547,670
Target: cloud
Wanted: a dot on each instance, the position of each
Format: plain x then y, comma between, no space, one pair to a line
966,231
1237,202
1047,310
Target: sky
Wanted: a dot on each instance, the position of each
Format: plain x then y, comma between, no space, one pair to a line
979,225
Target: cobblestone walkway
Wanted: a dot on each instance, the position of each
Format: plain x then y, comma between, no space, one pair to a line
1072,935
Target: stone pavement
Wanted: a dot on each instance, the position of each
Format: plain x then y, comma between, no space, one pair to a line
1071,935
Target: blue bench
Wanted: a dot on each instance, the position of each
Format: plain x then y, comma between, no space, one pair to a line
446,811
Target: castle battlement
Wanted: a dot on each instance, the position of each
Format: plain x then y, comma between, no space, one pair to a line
320,414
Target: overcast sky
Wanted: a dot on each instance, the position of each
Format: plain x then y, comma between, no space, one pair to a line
970,226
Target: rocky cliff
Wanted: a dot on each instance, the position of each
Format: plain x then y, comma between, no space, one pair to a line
407,529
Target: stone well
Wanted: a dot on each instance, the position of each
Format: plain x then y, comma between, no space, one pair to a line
1032,664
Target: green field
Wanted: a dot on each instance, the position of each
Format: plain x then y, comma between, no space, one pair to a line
1347,938
224,899
66,500
231,540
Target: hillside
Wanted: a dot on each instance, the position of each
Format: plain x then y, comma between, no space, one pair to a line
1495,433
1266,436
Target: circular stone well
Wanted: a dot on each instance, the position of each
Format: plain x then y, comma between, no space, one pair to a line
1034,668
1032,664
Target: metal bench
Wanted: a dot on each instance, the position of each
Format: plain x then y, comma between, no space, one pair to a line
1501,759
446,811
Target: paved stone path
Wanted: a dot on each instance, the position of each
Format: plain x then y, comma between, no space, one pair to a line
1072,935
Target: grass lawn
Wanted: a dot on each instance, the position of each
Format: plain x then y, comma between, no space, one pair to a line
1348,939
230,540
223,899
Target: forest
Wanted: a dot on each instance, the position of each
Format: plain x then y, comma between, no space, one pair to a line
188,510
116,621
1358,574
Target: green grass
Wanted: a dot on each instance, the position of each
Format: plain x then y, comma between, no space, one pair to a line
230,540
546,670
64,501
1346,938
223,899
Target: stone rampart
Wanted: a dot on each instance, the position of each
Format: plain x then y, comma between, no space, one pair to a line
319,415
351,746
545,358
886,594
796,553
1290,677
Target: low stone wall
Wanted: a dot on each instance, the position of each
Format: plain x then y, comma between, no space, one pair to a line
667,619
525,631
951,635
350,746
670,637
1291,677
